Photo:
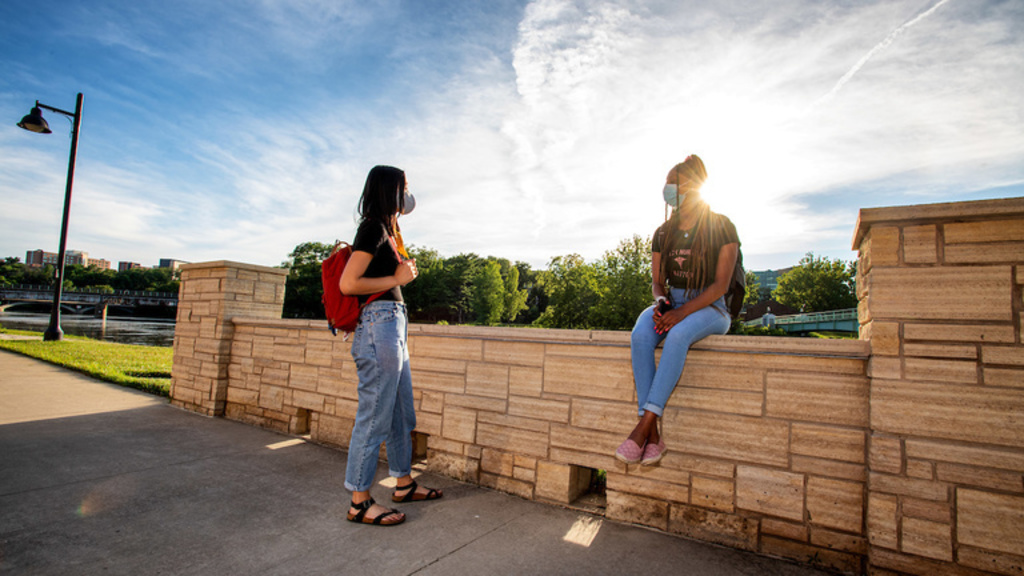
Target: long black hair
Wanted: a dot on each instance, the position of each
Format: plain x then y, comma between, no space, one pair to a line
694,170
383,196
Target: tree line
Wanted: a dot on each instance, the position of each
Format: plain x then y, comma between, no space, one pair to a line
606,294
93,278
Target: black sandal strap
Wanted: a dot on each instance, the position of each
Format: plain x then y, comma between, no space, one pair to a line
411,491
363,508
380,517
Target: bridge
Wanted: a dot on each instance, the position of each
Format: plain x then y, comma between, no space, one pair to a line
833,320
83,301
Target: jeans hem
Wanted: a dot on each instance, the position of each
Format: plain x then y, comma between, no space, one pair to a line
653,408
352,487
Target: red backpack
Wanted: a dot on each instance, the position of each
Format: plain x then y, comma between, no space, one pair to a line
342,310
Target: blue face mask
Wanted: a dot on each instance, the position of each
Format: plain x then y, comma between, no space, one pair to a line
672,196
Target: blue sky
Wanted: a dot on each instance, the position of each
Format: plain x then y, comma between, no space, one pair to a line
235,130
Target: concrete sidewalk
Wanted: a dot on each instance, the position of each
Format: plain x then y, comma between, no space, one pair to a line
98,479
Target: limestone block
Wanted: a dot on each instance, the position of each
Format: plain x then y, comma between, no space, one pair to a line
828,442
823,364
514,422
439,381
623,507
845,542
431,402
428,423
556,482
928,539
968,413
920,469
476,403
885,338
915,487
920,244
937,293
487,380
617,353
990,561
243,397
497,462
926,509
956,351
440,444
615,417
665,491
885,454
527,475
783,529
934,370
1004,377
459,424
1008,355
512,440
346,408
818,398
602,378
829,468
835,504
709,372
307,400
979,477
714,493
740,438
583,440
716,527
993,253
982,456
507,485
451,348
289,353
984,231
885,246
770,492
514,353
730,401
271,397
525,381
585,459
454,466
332,430
990,521
304,377
319,353
430,364
807,554
553,410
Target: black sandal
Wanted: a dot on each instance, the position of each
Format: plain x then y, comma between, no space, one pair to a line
412,496
364,507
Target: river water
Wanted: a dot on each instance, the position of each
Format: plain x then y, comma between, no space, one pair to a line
147,331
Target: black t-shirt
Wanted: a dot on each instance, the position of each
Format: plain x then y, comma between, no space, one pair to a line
680,267
372,237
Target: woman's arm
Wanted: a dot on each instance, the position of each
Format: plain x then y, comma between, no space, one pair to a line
657,283
354,282
723,275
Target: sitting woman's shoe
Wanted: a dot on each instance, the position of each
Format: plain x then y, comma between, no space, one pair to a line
412,496
389,518
629,452
653,453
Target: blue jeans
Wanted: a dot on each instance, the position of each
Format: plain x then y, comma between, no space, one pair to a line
386,412
655,382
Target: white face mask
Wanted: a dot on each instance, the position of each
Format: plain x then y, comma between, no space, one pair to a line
672,196
410,203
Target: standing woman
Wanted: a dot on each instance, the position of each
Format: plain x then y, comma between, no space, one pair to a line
692,258
385,412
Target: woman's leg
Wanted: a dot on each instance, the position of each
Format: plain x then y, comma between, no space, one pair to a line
403,419
693,328
643,341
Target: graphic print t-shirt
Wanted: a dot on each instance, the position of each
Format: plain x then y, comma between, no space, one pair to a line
372,237
680,266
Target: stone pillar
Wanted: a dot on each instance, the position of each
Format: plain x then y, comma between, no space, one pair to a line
211,294
940,302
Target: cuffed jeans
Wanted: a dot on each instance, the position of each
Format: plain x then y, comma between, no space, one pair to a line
385,412
655,382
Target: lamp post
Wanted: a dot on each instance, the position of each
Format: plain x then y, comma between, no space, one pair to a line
34,122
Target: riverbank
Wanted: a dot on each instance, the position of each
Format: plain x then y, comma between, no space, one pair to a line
146,368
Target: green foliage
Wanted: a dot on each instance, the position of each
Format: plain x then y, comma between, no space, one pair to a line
488,294
515,297
572,290
78,277
146,368
818,285
753,293
304,285
623,278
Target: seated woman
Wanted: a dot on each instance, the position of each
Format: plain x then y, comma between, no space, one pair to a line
692,260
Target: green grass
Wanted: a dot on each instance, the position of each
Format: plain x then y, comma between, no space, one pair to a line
146,368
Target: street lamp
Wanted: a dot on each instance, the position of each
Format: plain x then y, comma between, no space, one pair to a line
34,122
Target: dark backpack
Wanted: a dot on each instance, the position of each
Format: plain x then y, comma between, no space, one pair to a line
342,310
737,291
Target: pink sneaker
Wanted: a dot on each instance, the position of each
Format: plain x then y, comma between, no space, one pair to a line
629,452
653,453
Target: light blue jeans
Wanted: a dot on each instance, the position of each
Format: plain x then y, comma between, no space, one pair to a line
655,382
386,412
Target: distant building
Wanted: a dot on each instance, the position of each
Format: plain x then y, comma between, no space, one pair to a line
99,263
769,279
171,263
122,266
71,257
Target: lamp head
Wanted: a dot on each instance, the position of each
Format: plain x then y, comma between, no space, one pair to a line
35,122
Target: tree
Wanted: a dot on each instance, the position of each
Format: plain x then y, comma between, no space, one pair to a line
753,295
488,300
515,297
304,285
623,285
571,285
818,284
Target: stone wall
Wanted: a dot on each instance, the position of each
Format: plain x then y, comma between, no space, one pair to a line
940,304
902,452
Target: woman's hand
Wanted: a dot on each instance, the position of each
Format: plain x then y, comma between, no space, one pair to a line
406,272
663,322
